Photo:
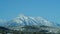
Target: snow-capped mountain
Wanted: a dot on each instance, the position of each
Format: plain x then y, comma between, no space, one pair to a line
23,20
31,24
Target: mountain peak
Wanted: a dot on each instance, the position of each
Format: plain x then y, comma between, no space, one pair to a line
22,16
23,20
28,20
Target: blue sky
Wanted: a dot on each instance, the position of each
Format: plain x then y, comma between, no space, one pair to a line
48,9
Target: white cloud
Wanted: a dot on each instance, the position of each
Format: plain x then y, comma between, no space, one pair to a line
2,20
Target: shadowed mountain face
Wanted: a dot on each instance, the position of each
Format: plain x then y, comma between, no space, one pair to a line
3,29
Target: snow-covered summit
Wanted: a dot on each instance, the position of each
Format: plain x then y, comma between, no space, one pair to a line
23,20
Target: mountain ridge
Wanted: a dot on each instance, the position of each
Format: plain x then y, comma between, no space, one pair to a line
23,20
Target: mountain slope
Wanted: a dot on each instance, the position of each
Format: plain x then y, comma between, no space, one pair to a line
31,24
23,20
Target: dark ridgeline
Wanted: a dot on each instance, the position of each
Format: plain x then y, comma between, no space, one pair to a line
4,30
